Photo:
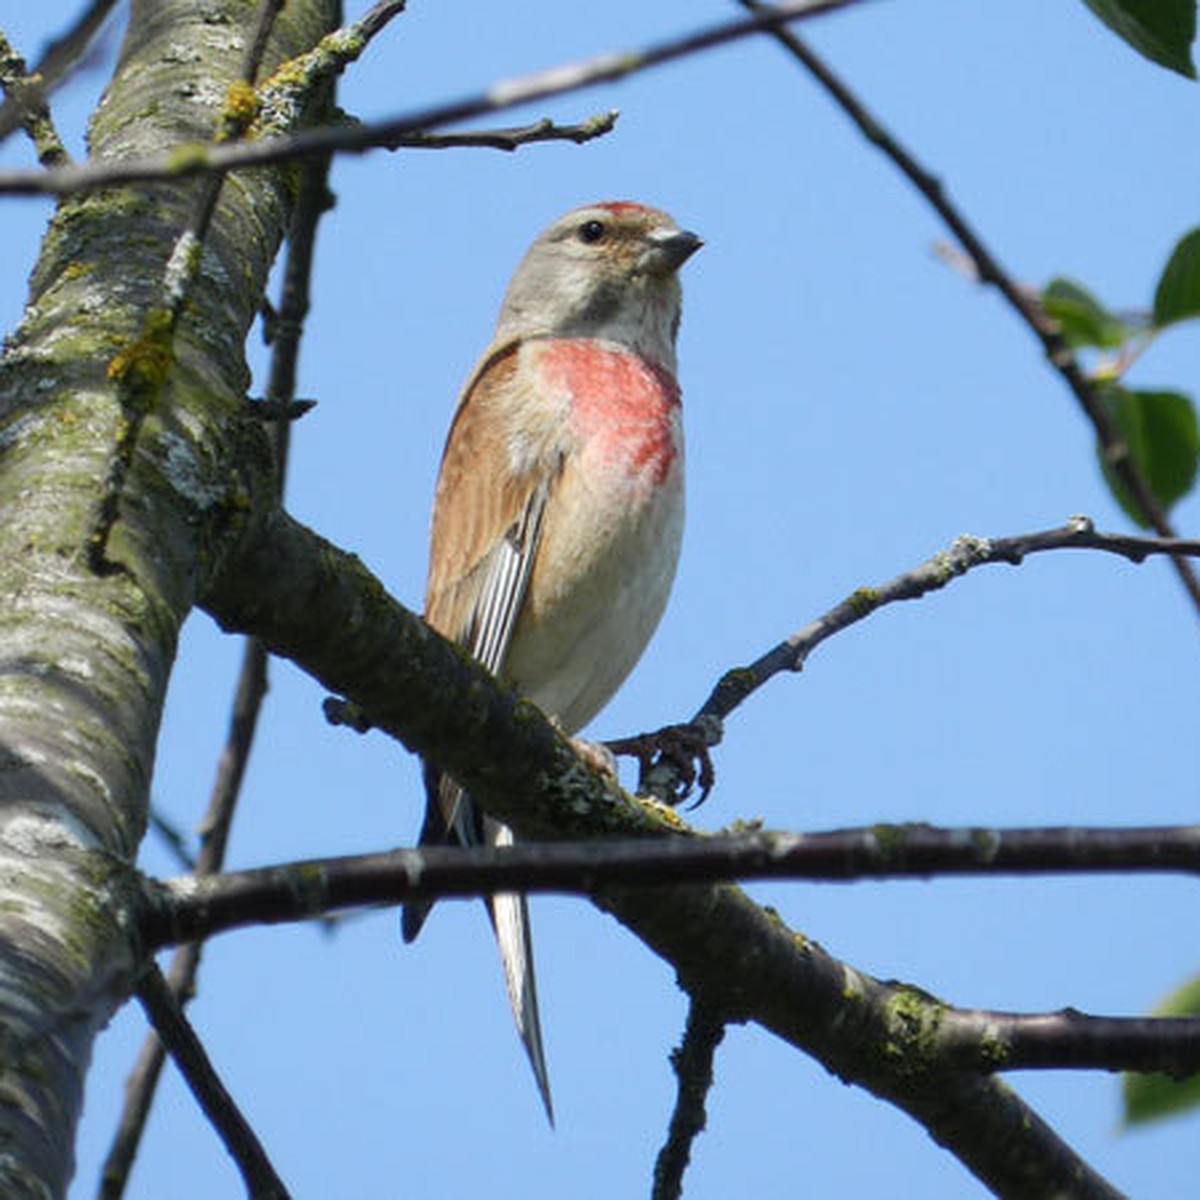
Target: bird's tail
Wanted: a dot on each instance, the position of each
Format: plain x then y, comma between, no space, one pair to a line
510,921
450,817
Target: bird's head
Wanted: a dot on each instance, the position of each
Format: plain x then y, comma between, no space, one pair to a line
606,271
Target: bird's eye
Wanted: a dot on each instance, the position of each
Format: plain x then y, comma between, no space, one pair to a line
591,231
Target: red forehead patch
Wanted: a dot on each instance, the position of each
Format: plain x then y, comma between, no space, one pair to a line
617,207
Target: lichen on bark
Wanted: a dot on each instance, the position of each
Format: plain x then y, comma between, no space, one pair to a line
85,655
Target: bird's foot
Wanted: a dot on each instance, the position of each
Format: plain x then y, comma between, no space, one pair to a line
674,760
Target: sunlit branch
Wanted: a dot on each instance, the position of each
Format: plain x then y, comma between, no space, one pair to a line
58,60
192,907
239,1139
965,554
693,1065
975,1039
33,115
205,158
513,137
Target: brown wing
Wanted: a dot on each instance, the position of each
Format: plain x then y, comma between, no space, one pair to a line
491,496
500,463
487,514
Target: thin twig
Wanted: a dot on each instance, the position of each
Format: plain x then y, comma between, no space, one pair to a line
252,681
964,555
54,67
513,137
693,1066
33,115
989,271
295,301
143,1079
240,1140
667,778
202,158
190,908
173,839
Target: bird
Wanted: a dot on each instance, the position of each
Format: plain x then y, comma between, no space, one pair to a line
559,507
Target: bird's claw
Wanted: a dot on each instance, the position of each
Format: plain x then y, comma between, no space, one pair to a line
674,760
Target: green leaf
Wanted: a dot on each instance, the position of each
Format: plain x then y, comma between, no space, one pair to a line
1161,30
1177,296
1160,429
1082,319
1150,1097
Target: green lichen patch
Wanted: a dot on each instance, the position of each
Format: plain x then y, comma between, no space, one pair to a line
239,111
863,601
912,1019
143,365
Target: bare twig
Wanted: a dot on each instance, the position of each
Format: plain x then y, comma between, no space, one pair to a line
989,271
143,1079
668,780
173,839
191,908
513,137
285,97
189,1055
33,115
376,18
56,63
693,1065
198,159
252,682
964,555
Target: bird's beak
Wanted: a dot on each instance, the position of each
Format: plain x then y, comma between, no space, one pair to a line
668,251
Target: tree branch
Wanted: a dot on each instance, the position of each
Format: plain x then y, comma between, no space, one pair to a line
989,271
189,1055
173,838
321,608
668,776
875,1035
979,1040
513,137
966,1039
693,1065
30,104
900,1043
60,56
965,554
191,908
202,158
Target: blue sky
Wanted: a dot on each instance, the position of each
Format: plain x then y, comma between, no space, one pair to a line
852,405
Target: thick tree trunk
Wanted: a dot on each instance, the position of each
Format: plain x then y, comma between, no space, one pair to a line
126,462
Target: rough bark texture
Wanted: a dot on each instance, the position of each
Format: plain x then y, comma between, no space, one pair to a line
85,654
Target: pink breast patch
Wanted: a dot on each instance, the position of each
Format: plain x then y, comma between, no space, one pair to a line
622,404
